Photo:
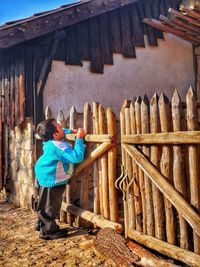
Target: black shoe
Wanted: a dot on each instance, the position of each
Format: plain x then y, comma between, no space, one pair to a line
55,235
37,226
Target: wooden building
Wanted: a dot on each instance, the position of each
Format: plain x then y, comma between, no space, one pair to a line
94,50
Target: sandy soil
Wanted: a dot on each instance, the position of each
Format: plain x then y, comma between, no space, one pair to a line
20,244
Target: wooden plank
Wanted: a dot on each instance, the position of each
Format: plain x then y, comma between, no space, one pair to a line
179,166
165,248
94,138
105,39
148,185
91,217
184,17
95,46
115,32
72,53
83,40
151,34
192,124
192,137
166,188
128,49
29,108
166,166
56,19
1,131
46,67
16,82
158,201
137,30
12,96
22,85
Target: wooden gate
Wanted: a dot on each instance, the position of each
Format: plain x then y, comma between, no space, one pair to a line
93,179
160,174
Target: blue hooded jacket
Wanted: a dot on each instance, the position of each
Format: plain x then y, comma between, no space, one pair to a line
54,167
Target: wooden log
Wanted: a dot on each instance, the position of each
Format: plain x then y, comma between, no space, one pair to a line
113,245
48,113
123,253
166,188
136,190
147,181
91,217
192,125
178,166
192,137
84,195
158,201
191,12
166,166
112,160
96,203
147,258
104,166
141,173
93,138
100,150
165,248
128,166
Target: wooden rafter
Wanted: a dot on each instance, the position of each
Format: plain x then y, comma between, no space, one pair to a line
157,24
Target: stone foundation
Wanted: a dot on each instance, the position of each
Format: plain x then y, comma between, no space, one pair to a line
21,165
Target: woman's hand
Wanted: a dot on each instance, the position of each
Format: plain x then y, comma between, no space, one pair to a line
74,131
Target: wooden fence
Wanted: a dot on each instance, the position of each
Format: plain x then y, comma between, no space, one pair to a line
160,174
94,179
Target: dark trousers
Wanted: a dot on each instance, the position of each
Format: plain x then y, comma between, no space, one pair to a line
49,205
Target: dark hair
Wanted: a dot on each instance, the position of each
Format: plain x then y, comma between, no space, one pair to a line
46,129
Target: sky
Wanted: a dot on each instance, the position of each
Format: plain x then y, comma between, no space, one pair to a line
18,9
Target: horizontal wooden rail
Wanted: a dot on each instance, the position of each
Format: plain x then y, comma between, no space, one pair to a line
165,248
91,217
96,138
165,187
100,150
190,137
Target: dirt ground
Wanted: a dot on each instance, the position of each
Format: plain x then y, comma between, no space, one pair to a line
20,244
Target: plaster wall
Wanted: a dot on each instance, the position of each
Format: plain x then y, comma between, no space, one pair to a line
155,69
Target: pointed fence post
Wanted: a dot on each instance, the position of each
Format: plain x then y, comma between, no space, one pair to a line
72,118
96,204
112,157
147,182
104,166
192,125
131,208
48,113
140,172
166,167
179,166
84,197
158,201
136,189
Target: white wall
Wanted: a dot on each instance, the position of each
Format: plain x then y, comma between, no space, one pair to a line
156,69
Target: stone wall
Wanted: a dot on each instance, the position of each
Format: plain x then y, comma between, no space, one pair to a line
21,165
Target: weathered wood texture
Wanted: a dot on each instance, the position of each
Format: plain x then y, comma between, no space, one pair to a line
170,158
